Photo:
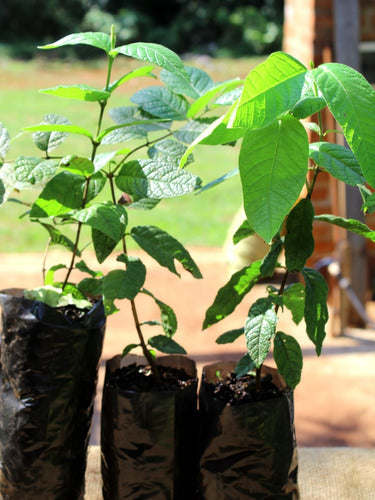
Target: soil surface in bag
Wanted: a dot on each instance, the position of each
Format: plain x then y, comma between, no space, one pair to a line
248,440
49,363
149,432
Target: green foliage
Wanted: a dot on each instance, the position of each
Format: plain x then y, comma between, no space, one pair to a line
274,161
68,187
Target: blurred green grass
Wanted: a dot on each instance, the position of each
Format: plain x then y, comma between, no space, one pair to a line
195,220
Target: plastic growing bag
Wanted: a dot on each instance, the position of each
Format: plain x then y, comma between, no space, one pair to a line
248,450
49,371
149,438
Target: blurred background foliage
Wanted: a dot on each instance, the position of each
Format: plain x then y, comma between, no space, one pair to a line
229,28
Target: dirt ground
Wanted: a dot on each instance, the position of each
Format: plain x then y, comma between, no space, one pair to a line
334,403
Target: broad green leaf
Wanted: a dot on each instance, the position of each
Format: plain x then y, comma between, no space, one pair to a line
269,262
4,142
124,134
270,90
260,328
191,130
166,344
351,100
244,231
136,73
168,317
164,249
83,267
54,297
78,165
79,92
244,366
91,286
57,238
316,311
106,217
199,82
229,337
161,102
232,293
314,127
71,129
31,172
124,284
64,192
48,141
294,300
50,274
338,161
353,225
103,244
155,179
299,240
229,98
273,166
311,100
288,356
168,150
203,101
95,39
102,159
142,123
129,348
154,54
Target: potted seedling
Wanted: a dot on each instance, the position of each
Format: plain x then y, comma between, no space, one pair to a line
249,447
152,405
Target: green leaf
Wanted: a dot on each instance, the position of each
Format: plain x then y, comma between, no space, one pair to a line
351,100
273,167
78,165
31,172
82,266
155,54
199,82
106,217
369,202
218,181
314,127
232,293
202,102
166,344
244,231
102,159
229,337
288,356
353,225
168,317
269,262
48,141
155,179
91,286
164,249
95,39
299,240
64,192
103,245
338,160
316,311
191,130
4,142
244,366
271,90
129,348
161,102
136,73
54,297
71,129
79,92
57,238
260,328
50,274
124,284
294,300
169,151
311,101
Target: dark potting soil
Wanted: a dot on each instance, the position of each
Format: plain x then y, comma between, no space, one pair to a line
139,378
235,391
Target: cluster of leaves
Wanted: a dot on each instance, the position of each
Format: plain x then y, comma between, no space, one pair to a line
276,162
162,121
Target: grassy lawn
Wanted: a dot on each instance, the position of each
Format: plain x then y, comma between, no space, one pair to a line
199,220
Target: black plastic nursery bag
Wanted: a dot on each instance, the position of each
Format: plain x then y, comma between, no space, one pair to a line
149,438
248,450
49,363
